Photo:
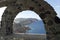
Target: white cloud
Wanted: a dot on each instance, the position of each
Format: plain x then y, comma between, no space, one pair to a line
1,11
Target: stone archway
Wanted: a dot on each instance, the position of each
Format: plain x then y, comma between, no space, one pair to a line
42,8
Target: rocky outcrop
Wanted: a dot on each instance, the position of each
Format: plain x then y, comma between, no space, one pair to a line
21,25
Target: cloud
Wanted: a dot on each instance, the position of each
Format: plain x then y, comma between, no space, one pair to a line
1,11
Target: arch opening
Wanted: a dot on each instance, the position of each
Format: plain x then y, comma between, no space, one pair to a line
28,22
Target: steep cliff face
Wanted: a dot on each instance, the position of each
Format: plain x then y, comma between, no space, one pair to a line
21,25
31,25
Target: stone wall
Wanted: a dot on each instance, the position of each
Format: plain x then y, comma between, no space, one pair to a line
42,8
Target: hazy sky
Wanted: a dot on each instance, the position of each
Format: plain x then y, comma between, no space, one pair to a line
54,3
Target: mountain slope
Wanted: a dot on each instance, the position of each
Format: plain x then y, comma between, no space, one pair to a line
35,25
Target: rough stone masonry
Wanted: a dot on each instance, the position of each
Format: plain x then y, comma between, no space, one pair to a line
41,7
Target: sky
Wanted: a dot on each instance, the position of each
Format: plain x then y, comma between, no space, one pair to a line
53,3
